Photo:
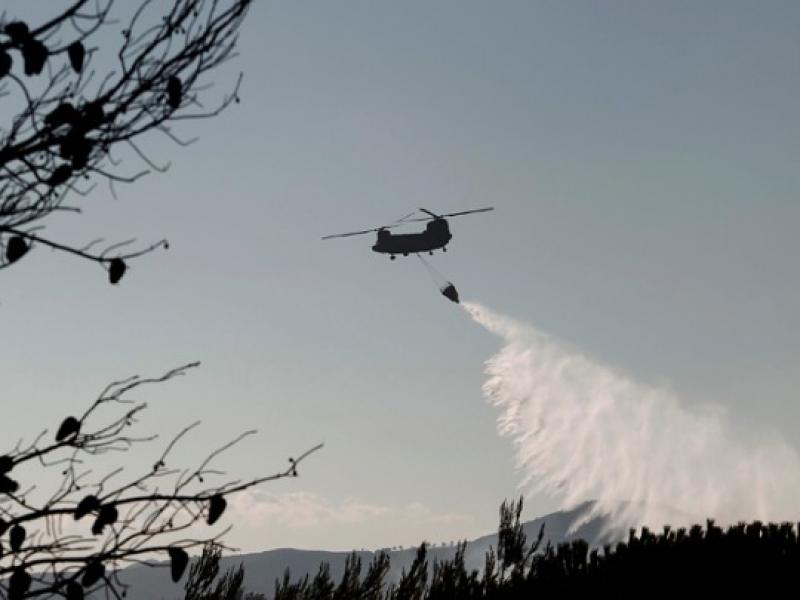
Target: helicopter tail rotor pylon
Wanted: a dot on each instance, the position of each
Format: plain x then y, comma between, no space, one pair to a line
428,212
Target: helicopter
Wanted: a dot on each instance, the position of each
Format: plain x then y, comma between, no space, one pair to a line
436,234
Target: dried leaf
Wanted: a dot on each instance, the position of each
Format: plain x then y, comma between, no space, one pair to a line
18,584
76,53
5,63
85,506
16,537
60,176
69,427
74,591
34,53
178,561
216,506
92,115
106,516
109,514
8,485
93,573
18,32
116,269
174,92
63,114
16,248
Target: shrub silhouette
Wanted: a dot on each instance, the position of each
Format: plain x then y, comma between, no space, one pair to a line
699,562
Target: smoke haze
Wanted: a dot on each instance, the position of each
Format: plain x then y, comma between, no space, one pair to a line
583,431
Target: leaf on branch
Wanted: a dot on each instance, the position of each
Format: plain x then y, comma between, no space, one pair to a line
216,506
6,464
74,591
60,176
174,92
16,248
34,53
5,63
92,115
93,573
69,427
18,584
107,516
18,32
85,506
63,114
116,269
3,526
76,53
8,485
76,148
178,561
16,537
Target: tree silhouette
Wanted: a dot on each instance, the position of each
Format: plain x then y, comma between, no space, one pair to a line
412,584
73,123
78,109
204,583
73,538
744,560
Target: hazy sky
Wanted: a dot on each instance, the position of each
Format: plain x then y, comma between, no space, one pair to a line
643,161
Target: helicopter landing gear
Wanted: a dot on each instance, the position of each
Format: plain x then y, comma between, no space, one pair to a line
405,253
392,257
444,248
431,252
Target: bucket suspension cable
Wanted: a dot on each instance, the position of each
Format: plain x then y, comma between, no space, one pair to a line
435,275
447,289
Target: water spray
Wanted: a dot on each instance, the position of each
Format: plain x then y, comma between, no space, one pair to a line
584,431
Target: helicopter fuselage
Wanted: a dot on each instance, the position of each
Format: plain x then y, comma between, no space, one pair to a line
436,235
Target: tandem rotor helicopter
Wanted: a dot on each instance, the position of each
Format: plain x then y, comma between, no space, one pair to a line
436,234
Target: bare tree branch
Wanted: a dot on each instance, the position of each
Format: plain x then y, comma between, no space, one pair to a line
70,117
152,515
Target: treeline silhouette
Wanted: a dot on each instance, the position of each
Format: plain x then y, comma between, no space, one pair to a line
696,562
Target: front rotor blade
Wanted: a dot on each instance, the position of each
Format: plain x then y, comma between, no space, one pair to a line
340,235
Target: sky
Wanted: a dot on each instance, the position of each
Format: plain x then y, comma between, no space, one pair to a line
642,159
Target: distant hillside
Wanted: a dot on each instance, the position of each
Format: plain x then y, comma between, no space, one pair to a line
263,568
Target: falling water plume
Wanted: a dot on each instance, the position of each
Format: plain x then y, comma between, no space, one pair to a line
584,431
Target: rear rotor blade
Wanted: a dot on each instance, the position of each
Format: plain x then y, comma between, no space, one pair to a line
455,214
405,218
469,212
341,235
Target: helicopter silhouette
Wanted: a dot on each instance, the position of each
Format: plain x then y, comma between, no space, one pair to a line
436,234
